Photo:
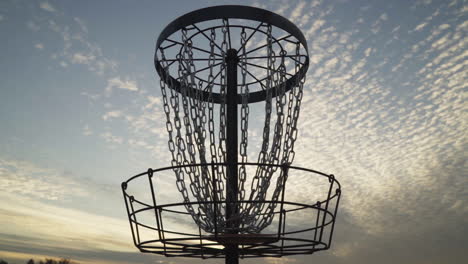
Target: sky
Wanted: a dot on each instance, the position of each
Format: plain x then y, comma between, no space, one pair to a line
384,110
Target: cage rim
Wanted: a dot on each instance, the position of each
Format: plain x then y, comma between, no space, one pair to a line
234,12
329,176
180,245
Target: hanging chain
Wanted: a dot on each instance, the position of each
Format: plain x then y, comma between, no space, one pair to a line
222,107
244,117
191,125
218,171
260,180
274,158
186,76
276,138
199,176
178,146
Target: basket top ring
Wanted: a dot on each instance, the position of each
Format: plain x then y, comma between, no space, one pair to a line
231,12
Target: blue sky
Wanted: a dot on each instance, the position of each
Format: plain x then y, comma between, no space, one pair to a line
384,109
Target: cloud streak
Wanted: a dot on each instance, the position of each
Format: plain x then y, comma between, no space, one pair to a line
47,7
118,83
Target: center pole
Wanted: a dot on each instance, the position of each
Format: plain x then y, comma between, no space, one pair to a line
232,206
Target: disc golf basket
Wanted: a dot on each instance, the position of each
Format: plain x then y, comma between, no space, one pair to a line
227,73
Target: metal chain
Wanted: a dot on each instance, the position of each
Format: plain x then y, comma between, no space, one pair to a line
295,95
222,108
274,158
191,126
244,118
185,73
218,171
176,157
262,215
258,190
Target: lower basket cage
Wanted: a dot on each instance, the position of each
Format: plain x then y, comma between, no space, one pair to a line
301,217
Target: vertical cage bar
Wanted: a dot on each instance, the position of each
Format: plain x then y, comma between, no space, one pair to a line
200,238
135,220
331,181
124,187
338,196
153,196
284,229
316,224
163,239
284,171
215,200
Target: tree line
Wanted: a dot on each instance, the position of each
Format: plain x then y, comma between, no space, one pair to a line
46,261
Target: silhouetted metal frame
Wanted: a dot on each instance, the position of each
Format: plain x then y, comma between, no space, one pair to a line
251,246
215,245
230,12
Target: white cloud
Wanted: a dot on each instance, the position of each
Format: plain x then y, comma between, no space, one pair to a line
82,24
80,58
112,114
297,13
345,249
440,43
316,58
26,192
33,26
109,138
460,206
91,97
39,46
32,221
420,26
116,82
139,143
283,260
384,17
25,178
84,52
376,27
72,229
87,131
444,26
153,100
367,52
47,6
396,29
330,64
314,27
